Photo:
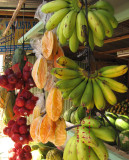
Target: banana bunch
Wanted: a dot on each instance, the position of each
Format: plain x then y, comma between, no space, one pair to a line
86,89
87,143
69,18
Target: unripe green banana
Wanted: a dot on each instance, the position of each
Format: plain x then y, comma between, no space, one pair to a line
54,6
101,150
102,4
57,30
65,85
68,63
91,39
98,96
90,106
76,101
82,150
78,90
87,95
81,25
96,25
69,24
90,122
110,17
87,137
65,95
106,23
92,155
97,41
73,41
107,134
108,93
114,85
56,18
64,73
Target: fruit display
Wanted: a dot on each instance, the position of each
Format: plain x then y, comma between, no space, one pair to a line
120,108
88,142
70,19
86,89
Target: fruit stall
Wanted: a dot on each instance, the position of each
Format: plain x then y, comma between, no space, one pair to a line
64,80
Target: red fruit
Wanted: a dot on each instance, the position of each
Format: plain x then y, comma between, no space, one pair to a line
27,68
20,152
30,104
21,120
20,101
6,130
15,128
11,123
28,156
16,137
12,150
12,156
27,148
16,110
27,86
10,86
8,71
26,75
3,80
19,84
18,75
18,145
29,138
12,79
31,82
23,111
20,158
26,94
23,138
23,129
34,98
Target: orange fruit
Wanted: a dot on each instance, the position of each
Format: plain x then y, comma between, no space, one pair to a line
46,129
54,104
58,54
60,132
39,72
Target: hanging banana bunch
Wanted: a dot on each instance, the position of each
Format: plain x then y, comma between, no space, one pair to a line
69,18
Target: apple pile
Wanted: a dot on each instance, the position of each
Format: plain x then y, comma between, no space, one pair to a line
19,152
25,103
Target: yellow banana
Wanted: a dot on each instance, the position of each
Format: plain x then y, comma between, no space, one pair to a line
96,25
90,106
54,6
69,24
97,41
64,73
57,30
114,85
98,96
101,150
68,63
108,93
56,18
92,155
73,41
81,26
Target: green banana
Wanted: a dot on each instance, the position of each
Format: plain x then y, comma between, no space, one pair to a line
88,93
73,41
69,24
76,101
61,37
74,5
73,150
90,106
56,18
105,68
92,155
54,6
114,85
82,150
98,96
68,113
102,4
96,25
112,72
97,41
68,84
105,133
81,25
87,137
67,147
57,30
64,73
68,63
79,114
91,39
106,23
72,117
108,93
110,17
101,150
78,90
90,122
65,95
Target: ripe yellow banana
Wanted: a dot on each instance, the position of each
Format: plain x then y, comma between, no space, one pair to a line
90,106
114,85
97,41
98,96
92,155
96,25
69,24
108,93
54,6
56,18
